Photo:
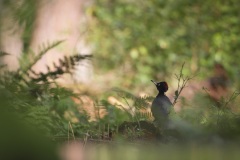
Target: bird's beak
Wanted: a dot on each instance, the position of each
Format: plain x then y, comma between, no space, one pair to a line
154,82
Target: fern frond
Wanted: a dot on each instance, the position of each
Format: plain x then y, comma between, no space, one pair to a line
146,115
123,93
2,53
44,50
142,102
64,66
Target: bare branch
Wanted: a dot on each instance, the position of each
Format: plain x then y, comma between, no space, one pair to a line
182,82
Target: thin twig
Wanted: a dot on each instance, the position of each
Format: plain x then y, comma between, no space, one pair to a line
85,139
182,82
132,111
71,130
233,96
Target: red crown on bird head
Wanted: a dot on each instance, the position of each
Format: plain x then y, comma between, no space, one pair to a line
161,86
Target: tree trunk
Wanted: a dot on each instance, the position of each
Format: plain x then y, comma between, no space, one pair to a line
55,20
10,39
62,20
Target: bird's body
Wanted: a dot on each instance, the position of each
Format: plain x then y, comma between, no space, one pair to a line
161,105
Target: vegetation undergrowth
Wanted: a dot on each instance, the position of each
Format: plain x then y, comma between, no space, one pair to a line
40,102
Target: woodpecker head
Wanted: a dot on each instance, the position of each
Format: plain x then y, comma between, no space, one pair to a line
161,86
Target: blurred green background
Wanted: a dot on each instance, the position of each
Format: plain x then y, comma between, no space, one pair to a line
151,39
132,42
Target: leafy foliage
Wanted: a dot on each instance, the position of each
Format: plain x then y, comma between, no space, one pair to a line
24,13
141,40
38,100
153,38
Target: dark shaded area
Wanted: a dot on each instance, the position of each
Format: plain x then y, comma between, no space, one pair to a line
149,131
18,139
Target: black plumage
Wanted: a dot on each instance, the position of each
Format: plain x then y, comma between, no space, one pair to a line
161,105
